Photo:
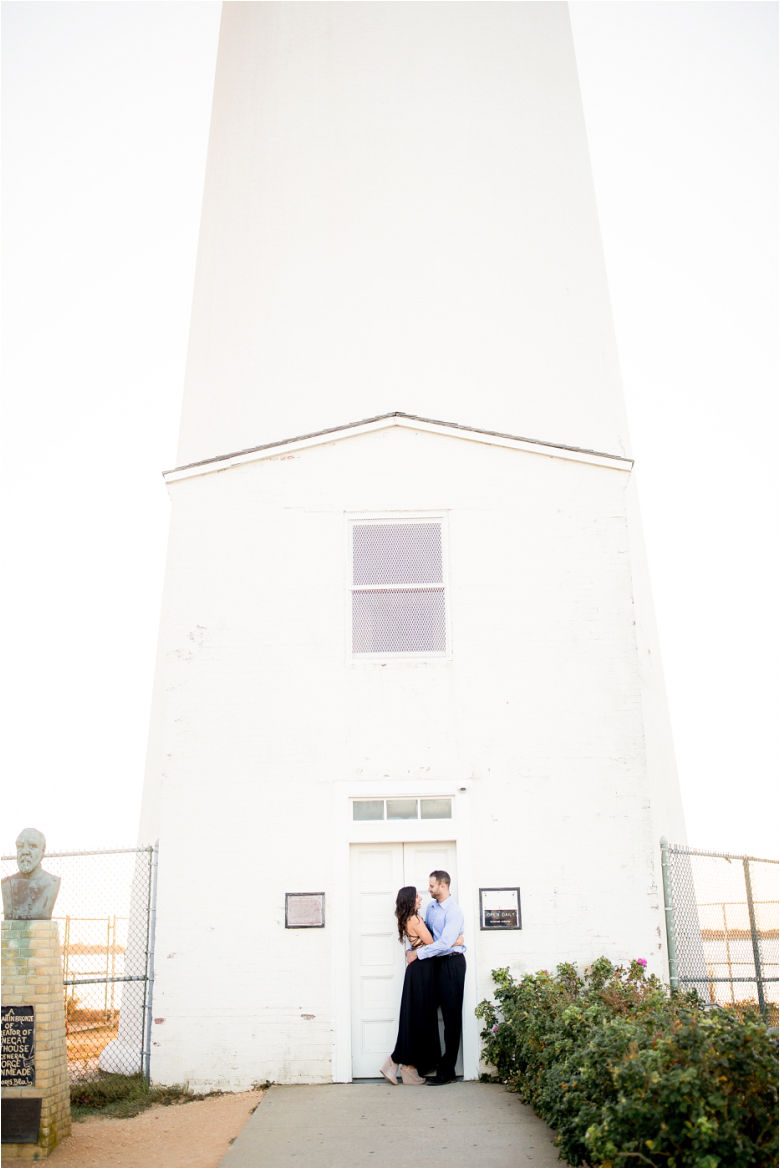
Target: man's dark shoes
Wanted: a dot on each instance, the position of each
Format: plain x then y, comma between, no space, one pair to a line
435,1081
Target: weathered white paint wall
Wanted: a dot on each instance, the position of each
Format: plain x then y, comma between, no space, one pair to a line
260,718
399,215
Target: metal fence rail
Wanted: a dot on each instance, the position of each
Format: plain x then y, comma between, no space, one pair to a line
105,914
722,925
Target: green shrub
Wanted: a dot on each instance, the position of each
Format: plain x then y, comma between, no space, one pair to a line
626,1074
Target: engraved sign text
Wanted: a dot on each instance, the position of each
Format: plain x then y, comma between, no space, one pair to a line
18,1046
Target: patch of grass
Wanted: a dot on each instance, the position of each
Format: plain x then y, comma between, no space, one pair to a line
122,1096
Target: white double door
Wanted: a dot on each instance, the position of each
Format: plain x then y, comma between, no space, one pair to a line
377,963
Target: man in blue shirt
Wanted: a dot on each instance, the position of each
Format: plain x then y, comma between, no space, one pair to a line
444,918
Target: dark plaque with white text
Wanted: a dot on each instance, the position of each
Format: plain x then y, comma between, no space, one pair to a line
18,1047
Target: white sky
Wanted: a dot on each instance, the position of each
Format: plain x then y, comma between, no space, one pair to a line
106,109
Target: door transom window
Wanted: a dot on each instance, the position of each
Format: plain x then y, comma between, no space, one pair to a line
402,809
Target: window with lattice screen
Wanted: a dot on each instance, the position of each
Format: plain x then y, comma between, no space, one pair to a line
397,587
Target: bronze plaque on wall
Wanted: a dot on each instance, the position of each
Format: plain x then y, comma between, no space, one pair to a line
21,1120
18,1047
304,911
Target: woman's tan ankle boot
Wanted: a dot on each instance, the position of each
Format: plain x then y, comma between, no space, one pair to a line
409,1075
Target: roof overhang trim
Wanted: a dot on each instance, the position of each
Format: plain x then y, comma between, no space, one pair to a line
408,421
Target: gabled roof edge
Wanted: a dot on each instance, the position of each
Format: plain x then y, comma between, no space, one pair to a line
620,459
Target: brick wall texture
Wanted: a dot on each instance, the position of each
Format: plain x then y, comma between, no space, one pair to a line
32,975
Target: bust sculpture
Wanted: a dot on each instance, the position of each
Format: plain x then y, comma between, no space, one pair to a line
29,895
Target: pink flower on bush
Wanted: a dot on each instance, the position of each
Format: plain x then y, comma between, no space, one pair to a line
641,962
496,1027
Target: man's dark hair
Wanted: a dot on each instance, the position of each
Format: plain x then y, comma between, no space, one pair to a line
440,875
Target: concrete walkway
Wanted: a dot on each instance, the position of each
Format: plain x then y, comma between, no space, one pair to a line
456,1126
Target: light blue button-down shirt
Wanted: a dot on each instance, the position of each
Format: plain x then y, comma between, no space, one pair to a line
445,920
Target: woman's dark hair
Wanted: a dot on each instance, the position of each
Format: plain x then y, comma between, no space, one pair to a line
404,908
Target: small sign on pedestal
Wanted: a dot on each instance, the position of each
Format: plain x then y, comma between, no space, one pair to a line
22,1120
18,1042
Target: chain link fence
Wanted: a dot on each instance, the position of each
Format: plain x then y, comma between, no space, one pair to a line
105,915
722,926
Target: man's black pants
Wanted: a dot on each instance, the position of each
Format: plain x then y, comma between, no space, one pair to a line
450,976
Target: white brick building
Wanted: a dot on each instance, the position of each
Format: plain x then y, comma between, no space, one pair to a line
396,643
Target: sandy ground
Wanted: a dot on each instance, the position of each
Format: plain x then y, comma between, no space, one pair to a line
176,1136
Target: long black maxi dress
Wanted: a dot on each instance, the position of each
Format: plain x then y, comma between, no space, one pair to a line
418,1044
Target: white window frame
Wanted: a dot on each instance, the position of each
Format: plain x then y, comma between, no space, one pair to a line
418,819
389,518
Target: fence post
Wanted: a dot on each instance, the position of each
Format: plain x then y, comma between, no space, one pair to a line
66,946
754,937
113,972
108,967
149,996
145,1008
671,941
728,949
65,959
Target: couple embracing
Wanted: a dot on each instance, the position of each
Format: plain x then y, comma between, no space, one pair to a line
435,973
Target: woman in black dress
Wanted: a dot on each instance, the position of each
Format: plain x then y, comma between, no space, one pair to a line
417,1047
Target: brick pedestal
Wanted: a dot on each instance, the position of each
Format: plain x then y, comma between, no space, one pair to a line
32,976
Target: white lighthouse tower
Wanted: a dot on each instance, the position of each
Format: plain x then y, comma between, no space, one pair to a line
406,621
